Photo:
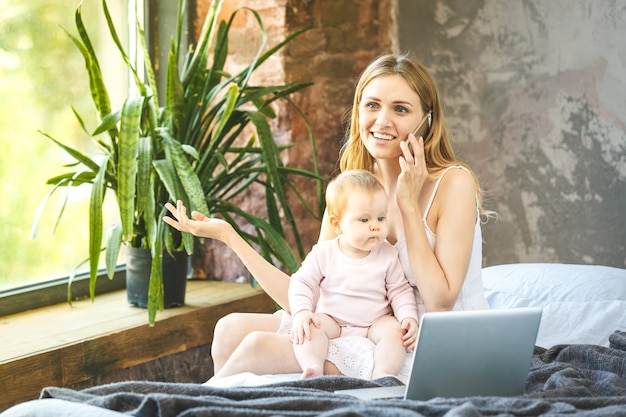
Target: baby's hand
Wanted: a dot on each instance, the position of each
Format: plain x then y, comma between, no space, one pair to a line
301,327
409,333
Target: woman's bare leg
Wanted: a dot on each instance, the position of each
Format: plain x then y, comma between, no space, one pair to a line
331,369
265,353
231,329
261,353
389,353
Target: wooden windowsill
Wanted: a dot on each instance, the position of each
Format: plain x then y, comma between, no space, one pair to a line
63,345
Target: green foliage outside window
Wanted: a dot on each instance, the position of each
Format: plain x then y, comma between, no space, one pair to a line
40,71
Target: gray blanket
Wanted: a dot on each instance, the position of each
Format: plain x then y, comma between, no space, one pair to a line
581,380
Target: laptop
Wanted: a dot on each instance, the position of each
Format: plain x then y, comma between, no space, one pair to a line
467,353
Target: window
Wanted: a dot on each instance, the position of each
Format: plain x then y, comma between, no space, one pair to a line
42,75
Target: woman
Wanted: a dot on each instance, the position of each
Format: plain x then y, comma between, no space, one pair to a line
435,204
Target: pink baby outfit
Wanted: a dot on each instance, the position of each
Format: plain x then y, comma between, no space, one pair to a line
353,291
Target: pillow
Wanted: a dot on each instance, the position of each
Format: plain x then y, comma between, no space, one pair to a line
582,304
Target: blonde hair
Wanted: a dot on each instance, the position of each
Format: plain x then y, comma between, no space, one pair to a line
339,189
437,146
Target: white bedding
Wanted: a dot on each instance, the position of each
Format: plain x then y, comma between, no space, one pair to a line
582,304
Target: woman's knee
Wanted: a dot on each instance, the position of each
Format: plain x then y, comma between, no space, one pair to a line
225,333
225,325
226,337
231,330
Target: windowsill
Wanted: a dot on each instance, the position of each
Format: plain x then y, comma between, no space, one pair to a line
62,345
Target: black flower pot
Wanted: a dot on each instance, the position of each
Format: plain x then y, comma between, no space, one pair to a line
138,267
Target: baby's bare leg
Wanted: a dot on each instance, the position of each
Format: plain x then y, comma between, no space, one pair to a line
311,354
389,354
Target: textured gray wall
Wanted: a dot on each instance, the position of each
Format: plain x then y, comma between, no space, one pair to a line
535,96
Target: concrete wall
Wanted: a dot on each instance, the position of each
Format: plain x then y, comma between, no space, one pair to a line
535,94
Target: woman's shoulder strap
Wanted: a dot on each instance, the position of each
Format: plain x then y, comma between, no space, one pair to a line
432,196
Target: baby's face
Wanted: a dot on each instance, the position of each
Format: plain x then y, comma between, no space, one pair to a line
364,222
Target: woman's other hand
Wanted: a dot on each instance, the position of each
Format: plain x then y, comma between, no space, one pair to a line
198,225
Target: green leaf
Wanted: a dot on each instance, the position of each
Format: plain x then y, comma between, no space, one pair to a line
191,151
81,122
174,94
95,226
319,183
80,157
204,41
144,172
247,72
272,210
188,178
114,243
113,32
227,110
271,154
149,217
127,163
167,175
42,205
148,67
99,93
155,287
279,246
64,201
108,122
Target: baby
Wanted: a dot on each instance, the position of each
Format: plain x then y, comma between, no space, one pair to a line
359,280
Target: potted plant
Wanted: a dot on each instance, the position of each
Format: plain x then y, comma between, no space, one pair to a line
188,149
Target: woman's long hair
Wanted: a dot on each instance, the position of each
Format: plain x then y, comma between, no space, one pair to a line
437,146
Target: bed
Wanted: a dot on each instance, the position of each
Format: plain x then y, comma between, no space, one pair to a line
578,366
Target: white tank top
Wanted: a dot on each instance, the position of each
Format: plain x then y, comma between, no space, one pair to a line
471,296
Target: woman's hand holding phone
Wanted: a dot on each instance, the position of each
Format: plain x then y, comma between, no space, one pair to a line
413,166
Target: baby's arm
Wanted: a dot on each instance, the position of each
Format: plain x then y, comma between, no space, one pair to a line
304,285
400,293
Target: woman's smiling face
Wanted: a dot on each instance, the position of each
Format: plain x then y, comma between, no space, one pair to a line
389,110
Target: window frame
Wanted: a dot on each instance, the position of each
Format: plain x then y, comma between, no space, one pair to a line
28,297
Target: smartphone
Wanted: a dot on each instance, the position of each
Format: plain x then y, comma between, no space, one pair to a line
423,127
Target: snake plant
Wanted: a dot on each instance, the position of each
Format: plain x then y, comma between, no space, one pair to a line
193,148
